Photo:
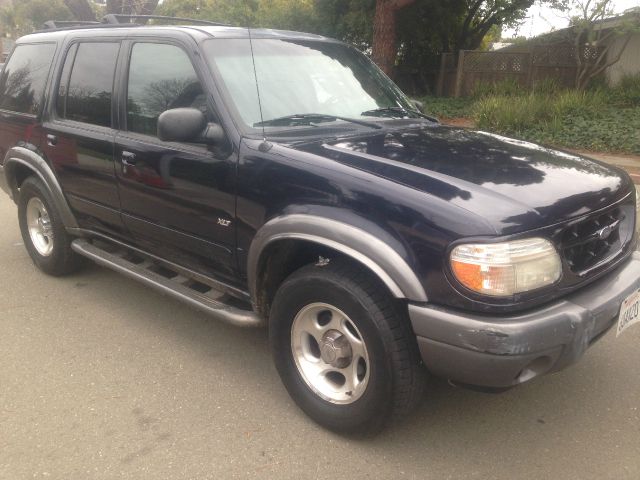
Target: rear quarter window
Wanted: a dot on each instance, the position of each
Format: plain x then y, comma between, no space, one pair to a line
24,78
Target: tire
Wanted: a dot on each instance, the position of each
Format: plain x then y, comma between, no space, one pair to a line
390,382
46,239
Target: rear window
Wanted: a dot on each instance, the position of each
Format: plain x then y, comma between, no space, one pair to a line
24,78
86,95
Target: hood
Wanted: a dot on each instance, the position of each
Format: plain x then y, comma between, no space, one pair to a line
512,184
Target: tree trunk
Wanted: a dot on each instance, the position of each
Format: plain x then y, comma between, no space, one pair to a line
586,72
81,10
385,48
384,36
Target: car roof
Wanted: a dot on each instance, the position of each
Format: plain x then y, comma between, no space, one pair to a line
198,32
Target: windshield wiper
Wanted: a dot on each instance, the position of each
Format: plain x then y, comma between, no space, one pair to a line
310,119
395,112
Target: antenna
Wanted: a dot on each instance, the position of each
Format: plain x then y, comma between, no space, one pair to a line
255,74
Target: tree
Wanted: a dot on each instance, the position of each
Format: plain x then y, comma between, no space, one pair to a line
400,35
26,16
480,16
280,14
385,48
131,7
414,32
80,9
83,9
593,39
350,21
428,28
298,15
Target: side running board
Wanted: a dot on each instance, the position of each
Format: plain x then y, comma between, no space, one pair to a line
146,270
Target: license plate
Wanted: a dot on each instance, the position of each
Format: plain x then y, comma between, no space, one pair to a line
629,312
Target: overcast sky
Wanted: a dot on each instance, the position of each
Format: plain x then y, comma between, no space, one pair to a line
544,19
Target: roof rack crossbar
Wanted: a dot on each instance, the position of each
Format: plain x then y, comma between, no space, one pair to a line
115,18
55,24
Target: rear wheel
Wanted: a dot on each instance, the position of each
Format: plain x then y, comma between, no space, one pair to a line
344,350
43,233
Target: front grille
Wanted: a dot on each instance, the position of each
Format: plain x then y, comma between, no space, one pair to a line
594,240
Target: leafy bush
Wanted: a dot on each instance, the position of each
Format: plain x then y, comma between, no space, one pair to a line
601,119
443,107
507,87
511,115
570,118
576,102
627,92
547,86
607,129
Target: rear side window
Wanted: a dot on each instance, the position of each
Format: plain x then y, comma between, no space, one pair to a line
161,77
86,95
24,78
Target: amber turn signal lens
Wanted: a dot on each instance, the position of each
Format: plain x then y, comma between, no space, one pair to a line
468,274
503,269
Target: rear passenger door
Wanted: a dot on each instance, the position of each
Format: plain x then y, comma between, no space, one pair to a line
79,133
177,199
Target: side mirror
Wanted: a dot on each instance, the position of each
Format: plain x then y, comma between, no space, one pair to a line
187,125
212,134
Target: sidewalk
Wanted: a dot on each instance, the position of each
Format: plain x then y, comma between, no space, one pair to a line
630,163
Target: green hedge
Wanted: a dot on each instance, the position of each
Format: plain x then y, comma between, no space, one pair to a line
602,119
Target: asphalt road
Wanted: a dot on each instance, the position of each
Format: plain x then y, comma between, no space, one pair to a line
101,378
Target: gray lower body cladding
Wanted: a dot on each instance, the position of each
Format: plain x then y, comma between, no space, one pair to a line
175,285
503,351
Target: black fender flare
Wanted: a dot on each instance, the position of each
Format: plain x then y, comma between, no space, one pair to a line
362,246
20,156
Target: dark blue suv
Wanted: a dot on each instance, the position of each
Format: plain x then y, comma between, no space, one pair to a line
281,179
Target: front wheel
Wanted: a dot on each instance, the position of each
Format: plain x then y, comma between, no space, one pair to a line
344,350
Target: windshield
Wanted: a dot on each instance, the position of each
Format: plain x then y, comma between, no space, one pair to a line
303,82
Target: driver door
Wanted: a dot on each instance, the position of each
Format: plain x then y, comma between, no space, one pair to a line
177,199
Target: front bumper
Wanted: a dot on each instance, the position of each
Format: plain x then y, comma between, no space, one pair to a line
505,351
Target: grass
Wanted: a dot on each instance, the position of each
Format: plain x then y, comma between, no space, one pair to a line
601,119
449,107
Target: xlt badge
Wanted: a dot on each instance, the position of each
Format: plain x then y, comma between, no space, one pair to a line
223,222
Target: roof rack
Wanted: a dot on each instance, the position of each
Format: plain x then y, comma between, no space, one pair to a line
116,19
56,24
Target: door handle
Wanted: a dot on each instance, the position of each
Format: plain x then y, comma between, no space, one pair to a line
52,140
128,158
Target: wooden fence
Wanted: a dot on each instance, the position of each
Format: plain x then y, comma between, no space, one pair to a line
459,76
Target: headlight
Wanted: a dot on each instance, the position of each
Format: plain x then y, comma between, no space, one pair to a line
503,269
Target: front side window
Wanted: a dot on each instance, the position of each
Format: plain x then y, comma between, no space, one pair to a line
24,78
90,86
161,77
